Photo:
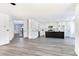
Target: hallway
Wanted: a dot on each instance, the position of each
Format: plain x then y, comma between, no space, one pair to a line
38,47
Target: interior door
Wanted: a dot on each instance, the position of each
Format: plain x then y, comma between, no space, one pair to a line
4,29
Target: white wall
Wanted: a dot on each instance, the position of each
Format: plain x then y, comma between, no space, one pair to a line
11,28
33,29
77,30
25,29
6,29
70,29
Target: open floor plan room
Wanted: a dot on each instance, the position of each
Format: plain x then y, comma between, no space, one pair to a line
39,29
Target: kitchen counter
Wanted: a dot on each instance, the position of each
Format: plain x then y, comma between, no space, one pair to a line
54,34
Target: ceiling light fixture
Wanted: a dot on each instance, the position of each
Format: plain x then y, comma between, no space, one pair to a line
13,4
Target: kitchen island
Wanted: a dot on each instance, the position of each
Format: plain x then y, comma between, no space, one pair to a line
53,34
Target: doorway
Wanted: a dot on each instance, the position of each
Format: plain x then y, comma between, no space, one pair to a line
19,29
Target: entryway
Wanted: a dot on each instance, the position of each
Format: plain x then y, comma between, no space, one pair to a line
19,28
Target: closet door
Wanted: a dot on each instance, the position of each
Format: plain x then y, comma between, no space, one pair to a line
4,29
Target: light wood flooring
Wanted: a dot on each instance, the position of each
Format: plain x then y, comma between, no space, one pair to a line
39,47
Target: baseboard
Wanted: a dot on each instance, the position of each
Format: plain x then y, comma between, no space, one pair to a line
4,43
77,52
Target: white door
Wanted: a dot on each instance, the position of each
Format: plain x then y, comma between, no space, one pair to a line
4,29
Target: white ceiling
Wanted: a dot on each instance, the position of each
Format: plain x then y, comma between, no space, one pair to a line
40,12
